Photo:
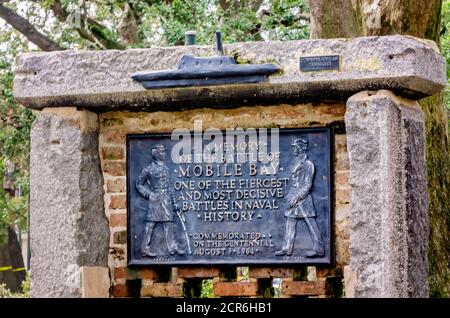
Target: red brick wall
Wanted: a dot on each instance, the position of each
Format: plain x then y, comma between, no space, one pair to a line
177,282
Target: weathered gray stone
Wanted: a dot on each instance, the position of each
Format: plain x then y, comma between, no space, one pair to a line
389,216
68,226
101,79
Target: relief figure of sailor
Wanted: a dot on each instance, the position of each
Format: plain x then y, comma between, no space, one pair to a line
153,185
301,204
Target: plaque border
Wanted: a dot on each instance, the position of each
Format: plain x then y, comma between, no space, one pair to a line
329,263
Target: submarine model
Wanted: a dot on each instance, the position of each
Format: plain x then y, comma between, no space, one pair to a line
206,71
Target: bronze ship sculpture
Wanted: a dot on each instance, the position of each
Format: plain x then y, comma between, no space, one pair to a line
206,71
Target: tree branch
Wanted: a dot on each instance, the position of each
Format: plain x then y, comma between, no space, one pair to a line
27,29
299,16
58,10
87,28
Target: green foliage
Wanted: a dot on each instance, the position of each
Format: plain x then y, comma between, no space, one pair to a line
207,289
6,293
445,44
438,169
26,284
289,20
15,123
165,22
14,144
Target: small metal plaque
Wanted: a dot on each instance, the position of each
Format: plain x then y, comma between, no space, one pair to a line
246,213
319,63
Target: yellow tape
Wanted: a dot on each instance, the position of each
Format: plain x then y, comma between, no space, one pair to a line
9,268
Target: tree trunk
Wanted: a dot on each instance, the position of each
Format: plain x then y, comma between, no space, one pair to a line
334,19
350,18
13,273
127,28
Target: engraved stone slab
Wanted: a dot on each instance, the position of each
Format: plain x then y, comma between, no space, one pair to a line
200,211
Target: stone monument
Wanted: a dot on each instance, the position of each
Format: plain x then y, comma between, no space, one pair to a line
343,197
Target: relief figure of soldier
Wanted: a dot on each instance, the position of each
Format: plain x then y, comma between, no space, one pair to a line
153,185
300,203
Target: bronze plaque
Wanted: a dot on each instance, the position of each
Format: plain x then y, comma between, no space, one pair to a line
319,63
210,207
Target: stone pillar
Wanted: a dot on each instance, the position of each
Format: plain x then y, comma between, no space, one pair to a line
389,216
69,229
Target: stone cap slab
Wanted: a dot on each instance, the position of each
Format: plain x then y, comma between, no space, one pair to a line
100,80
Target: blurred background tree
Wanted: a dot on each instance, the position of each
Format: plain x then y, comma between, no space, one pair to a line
48,25
115,24
119,24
